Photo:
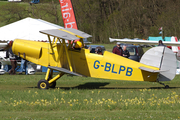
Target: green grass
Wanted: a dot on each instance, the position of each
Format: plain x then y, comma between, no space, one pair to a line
87,98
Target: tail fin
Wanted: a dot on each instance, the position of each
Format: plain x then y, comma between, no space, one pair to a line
163,58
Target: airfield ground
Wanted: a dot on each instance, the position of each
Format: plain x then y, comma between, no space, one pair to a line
79,98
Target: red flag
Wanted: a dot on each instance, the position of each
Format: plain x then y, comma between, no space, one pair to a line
68,14
160,28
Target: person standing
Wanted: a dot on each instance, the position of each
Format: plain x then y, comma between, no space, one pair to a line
117,49
161,43
12,58
125,52
23,66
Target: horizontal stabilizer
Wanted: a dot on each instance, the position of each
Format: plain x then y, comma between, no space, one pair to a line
151,70
64,71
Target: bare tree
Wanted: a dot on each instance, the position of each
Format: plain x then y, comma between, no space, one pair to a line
12,12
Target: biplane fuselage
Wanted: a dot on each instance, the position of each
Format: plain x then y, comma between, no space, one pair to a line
57,55
107,66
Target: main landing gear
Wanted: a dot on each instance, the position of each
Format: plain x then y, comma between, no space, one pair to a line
49,81
43,84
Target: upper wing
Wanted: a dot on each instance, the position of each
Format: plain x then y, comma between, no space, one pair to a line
67,34
145,42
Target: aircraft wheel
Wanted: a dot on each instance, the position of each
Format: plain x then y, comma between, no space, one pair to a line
52,85
43,84
167,86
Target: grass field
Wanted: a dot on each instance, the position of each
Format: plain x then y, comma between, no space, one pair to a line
87,98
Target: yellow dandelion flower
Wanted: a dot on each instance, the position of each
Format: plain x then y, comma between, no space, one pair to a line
100,102
85,100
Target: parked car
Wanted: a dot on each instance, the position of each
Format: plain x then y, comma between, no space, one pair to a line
135,52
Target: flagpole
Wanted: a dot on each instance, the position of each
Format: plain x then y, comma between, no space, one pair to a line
162,33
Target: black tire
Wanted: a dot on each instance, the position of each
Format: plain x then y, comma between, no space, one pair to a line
52,85
43,84
167,86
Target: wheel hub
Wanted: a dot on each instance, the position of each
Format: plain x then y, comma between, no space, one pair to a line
43,85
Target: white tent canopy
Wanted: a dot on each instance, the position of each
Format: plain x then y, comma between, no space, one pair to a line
28,29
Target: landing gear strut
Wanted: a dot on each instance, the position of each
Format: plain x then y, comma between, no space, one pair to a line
49,81
166,86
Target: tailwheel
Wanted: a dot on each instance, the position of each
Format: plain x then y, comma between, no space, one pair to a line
167,86
43,84
52,85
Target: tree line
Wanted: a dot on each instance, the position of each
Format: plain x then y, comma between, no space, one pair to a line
105,18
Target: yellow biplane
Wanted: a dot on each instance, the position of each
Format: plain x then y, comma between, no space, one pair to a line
157,64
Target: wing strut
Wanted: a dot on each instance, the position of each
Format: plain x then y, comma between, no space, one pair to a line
69,62
51,48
